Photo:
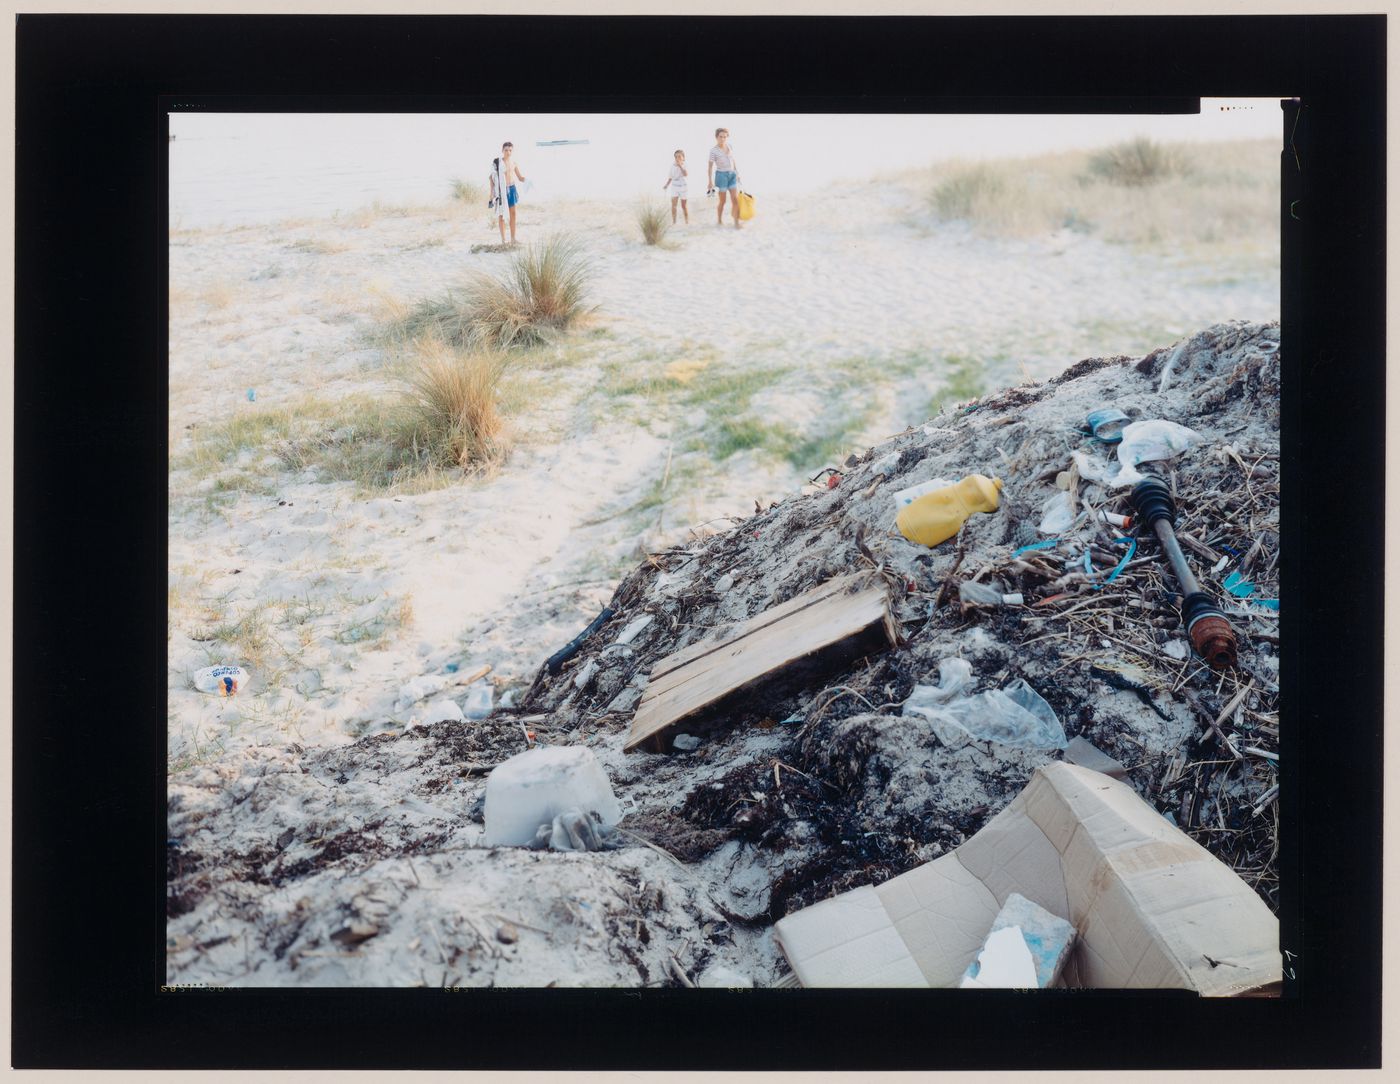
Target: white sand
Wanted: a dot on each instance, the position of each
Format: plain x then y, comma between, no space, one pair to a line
357,595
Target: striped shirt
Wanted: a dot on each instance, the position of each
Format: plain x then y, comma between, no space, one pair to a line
723,160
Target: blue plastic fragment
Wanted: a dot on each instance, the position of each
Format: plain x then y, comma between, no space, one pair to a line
452,667
1049,543
1230,550
1088,564
1107,425
1123,562
1238,586
1268,603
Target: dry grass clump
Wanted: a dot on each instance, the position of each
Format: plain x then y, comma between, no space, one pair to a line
447,318
450,416
970,192
1138,192
542,293
443,418
1139,161
466,192
654,221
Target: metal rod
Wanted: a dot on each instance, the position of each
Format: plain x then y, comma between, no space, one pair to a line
1167,537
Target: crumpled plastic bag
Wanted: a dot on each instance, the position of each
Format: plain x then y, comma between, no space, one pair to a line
1143,442
953,676
1093,469
478,704
1016,715
1057,516
1149,441
575,830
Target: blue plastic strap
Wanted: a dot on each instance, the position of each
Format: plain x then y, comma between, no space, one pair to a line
1049,543
1132,549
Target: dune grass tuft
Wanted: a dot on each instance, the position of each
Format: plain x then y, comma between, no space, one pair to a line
450,416
1139,161
542,293
442,420
466,192
653,220
967,192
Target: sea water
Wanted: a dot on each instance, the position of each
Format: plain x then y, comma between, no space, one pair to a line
235,169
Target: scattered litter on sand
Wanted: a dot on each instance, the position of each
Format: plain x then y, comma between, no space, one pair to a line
366,864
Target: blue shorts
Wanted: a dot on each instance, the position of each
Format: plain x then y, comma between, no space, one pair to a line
726,179
511,197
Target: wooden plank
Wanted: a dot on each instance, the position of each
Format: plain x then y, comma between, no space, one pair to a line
759,658
823,627
755,653
836,586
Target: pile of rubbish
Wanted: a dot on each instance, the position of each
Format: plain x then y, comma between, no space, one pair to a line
994,703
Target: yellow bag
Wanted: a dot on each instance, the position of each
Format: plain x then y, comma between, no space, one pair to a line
745,206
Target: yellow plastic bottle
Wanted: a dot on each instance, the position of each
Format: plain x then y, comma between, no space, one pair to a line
936,517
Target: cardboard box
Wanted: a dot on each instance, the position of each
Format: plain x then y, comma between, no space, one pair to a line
1151,906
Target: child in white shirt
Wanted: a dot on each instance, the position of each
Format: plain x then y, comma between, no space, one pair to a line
677,184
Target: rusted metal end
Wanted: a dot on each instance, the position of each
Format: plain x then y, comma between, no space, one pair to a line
1214,641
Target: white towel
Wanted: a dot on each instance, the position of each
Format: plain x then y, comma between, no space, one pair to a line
499,177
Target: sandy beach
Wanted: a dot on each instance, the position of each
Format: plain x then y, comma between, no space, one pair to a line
716,374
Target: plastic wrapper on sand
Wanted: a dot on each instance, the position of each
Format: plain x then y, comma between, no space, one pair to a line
1016,715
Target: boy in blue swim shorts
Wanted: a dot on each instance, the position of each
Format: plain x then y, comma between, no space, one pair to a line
504,195
724,174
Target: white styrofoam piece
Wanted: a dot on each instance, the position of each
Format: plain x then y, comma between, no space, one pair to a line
534,787
1005,963
1048,937
627,635
582,677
